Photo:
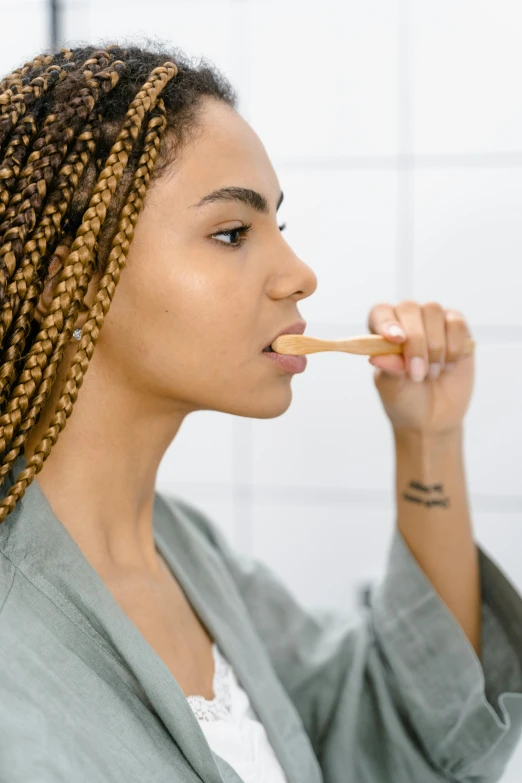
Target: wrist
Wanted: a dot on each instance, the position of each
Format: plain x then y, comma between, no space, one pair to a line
428,455
422,439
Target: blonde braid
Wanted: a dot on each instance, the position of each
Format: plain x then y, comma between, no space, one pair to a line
55,329
49,151
10,85
18,98
14,156
24,291
45,234
40,61
24,132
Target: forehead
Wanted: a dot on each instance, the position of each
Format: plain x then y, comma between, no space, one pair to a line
221,126
224,150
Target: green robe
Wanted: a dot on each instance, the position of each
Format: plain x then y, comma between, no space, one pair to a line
399,696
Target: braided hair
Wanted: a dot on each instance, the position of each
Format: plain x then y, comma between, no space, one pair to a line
82,132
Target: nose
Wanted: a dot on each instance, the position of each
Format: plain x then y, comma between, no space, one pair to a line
293,278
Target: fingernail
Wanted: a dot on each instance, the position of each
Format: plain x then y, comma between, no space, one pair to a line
449,366
396,331
418,369
434,370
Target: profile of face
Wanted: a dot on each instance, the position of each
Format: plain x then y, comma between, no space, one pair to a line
206,287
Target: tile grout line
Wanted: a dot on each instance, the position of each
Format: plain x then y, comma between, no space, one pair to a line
405,228
239,35
404,161
242,485
242,427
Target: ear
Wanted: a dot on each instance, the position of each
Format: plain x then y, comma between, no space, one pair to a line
56,265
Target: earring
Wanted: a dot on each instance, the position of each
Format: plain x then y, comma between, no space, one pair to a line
77,334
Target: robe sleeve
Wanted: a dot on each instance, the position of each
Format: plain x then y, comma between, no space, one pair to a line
400,695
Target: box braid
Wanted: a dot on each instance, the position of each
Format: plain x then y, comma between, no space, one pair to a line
13,111
28,200
16,77
82,133
23,293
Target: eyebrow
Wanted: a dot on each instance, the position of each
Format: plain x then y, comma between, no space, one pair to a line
243,195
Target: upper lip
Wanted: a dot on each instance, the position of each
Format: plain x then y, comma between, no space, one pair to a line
296,328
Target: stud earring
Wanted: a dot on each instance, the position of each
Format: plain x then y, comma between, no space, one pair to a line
77,334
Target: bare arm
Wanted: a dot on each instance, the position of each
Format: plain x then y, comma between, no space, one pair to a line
434,519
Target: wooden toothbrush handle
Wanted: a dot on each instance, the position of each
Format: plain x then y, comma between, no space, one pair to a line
375,345
367,345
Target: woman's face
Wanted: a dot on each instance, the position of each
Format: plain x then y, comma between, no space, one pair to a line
195,307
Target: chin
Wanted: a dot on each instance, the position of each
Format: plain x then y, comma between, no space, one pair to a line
270,414
269,406
271,409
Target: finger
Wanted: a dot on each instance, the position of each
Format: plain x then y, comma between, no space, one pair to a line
435,328
415,349
383,320
390,363
457,331
388,383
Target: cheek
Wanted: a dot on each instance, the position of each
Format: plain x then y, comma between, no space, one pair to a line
193,305
186,315
185,322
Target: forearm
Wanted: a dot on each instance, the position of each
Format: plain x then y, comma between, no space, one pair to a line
434,519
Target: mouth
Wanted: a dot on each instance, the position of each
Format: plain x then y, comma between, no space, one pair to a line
295,328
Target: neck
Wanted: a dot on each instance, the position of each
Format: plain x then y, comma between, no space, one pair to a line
100,475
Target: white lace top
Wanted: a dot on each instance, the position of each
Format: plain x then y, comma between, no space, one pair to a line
232,728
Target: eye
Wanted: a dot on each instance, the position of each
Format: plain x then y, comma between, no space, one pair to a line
235,237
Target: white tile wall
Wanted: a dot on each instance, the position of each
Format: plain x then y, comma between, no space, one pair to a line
25,33
343,224
465,74
512,773
202,452
337,549
468,241
494,426
333,435
500,535
341,547
179,22
336,90
324,83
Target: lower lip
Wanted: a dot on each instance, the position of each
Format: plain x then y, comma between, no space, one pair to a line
288,363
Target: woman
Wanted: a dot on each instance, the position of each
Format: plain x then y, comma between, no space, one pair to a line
135,644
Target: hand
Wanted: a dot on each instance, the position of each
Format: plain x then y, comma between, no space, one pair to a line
417,401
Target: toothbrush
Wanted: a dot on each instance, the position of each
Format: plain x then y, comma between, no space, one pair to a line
368,345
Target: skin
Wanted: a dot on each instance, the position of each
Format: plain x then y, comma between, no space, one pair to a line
427,420
185,332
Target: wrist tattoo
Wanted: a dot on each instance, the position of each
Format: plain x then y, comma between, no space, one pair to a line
424,488
434,493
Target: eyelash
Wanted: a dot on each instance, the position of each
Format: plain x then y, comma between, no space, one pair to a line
241,230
